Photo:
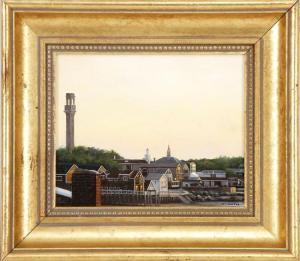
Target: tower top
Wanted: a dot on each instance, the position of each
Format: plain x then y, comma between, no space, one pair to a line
70,99
70,109
169,151
70,95
147,156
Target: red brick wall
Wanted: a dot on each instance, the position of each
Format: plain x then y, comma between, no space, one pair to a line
98,190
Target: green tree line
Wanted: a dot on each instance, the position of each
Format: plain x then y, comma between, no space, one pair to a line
92,158
87,157
220,163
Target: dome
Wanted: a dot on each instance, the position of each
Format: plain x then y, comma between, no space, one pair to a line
168,160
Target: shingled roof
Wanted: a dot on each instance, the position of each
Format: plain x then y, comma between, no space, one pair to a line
154,176
168,160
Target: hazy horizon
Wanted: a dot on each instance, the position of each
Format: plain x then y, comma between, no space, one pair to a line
199,158
128,103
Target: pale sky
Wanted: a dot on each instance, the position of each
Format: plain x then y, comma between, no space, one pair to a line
130,102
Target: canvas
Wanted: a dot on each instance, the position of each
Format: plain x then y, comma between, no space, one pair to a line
119,115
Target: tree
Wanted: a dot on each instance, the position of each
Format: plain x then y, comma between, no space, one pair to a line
220,163
87,157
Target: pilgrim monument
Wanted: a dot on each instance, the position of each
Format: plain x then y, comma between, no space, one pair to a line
70,109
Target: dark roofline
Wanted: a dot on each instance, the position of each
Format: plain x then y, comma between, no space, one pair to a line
85,171
210,170
158,165
206,178
131,161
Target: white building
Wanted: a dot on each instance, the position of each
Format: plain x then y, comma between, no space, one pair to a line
157,182
212,174
193,180
147,156
213,178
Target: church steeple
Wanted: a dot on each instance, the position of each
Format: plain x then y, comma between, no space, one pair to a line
169,151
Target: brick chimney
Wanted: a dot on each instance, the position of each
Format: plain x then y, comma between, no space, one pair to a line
86,188
98,190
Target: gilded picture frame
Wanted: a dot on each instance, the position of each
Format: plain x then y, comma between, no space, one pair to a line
265,31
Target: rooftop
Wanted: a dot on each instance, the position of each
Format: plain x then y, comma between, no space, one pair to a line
212,171
154,176
131,161
168,160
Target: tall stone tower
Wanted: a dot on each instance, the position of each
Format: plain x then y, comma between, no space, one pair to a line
70,109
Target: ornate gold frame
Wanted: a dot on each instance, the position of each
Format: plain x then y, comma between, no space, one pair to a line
30,232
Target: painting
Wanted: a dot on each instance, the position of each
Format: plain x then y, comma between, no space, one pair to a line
92,89
149,129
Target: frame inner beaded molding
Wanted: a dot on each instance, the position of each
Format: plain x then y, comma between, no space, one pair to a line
248,50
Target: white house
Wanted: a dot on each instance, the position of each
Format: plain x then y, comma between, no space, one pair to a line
169,175
157,182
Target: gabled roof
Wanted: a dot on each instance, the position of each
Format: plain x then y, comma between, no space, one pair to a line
134,173
146,184
102,169
70,173
168,171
